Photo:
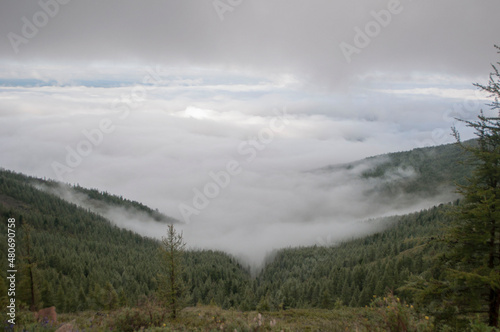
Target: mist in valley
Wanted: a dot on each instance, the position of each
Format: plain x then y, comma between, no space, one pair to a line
239,123
258,213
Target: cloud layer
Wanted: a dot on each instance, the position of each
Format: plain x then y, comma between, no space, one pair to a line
265,37
163,155
147,99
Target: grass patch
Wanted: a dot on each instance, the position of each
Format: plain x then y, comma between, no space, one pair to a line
384,314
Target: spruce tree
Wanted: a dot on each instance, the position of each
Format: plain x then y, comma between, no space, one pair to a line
109,297
474,256
172,250
4,300
82,300
29,291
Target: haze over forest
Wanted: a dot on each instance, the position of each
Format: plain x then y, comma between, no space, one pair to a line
158,100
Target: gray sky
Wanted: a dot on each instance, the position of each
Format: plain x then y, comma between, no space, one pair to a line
293,37
158,95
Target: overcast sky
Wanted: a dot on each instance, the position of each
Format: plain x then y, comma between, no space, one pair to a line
155,97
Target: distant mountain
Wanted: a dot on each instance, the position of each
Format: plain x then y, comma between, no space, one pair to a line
421,172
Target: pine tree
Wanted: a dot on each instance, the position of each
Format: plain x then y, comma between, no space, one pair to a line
61,299
96,296
47,294
4,300
325,302
172,250
474,257
82,299
110,297
122,298
28,284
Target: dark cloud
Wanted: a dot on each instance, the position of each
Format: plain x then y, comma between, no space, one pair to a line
292,37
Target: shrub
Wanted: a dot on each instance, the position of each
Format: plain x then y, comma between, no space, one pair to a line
398,316
132,319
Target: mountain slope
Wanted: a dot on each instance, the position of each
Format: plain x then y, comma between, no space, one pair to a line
419,173
83,261
355,271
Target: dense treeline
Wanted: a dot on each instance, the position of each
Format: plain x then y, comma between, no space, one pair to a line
355,271
80,257
434,166
422,172
102,199
82,261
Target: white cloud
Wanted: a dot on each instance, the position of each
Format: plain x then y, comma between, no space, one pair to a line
165,148
217,84
461,94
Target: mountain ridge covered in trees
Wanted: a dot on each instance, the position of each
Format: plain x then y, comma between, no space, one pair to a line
421,171
84,262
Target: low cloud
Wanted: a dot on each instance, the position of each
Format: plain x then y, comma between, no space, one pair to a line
152,96
168,144
269,205
125,217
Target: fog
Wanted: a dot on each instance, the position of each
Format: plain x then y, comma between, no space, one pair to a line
280,196
257,171
260,213
221,118
127,218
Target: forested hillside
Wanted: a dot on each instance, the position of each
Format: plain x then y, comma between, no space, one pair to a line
100,201
82,261
355,271
422,172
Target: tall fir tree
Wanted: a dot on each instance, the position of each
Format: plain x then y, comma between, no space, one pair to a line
171,285
29,281
474,242
4,300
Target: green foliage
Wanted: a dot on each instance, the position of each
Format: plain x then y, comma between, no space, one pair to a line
110,297
396,315
102,199
419,173
29,289
477,325
353,271
263,304
474,257
4,300
85,262
171,283
466,276
133,319
82,260
214,276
